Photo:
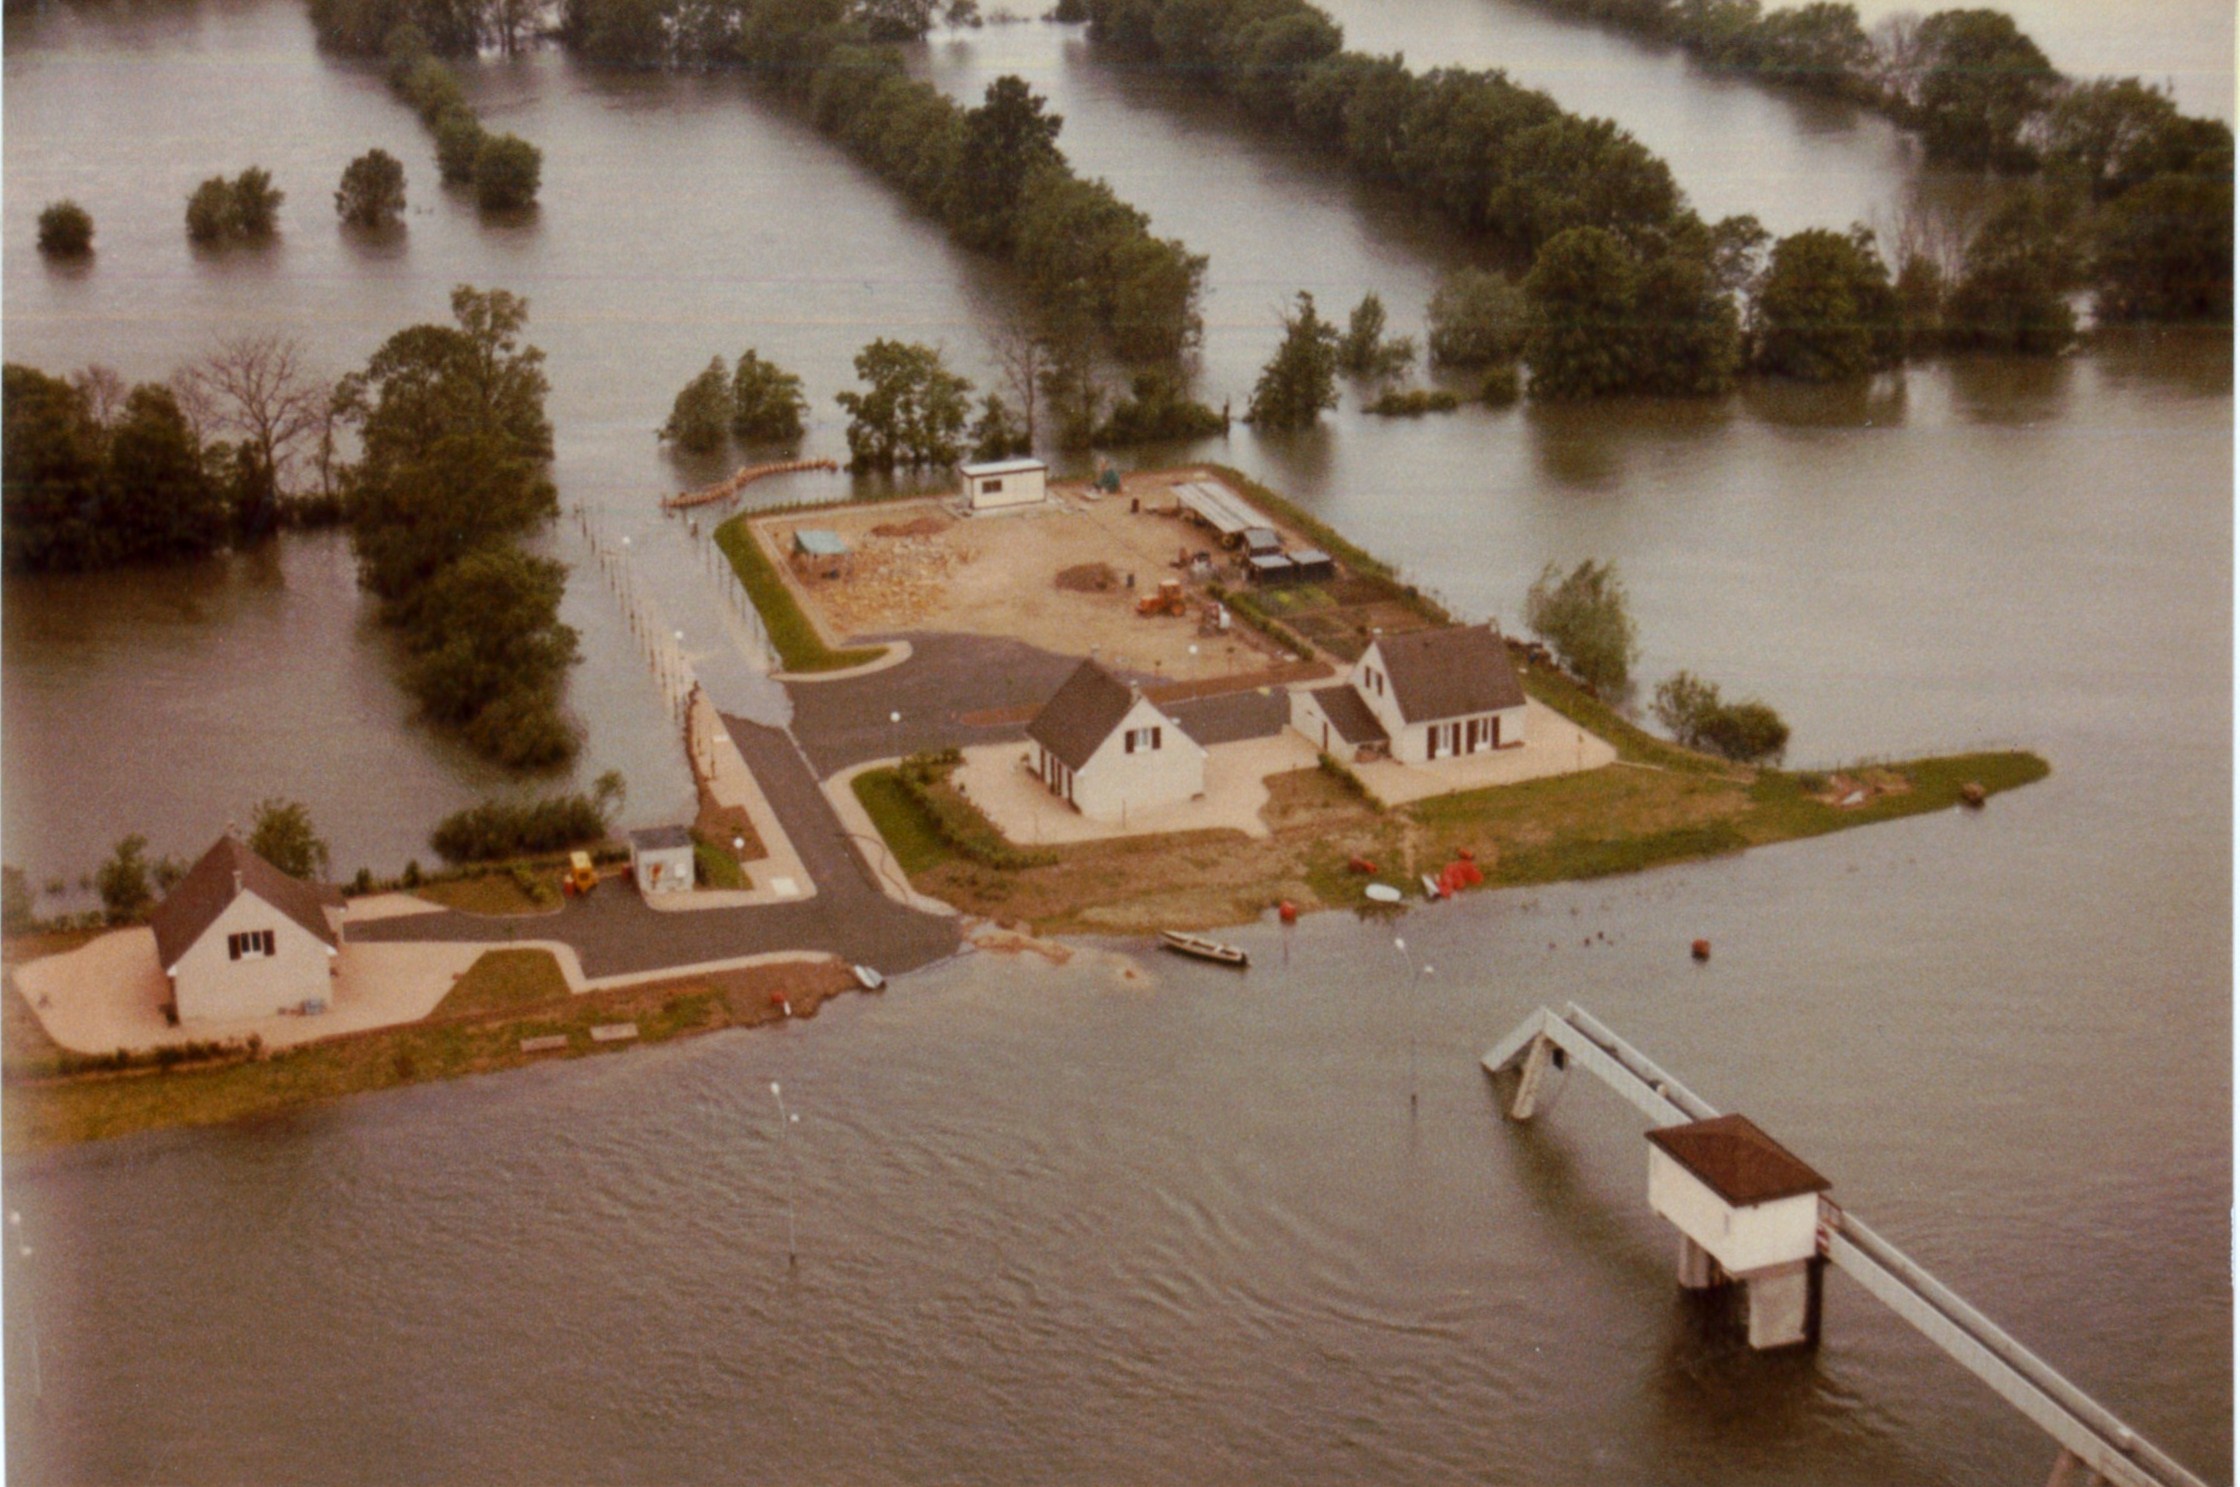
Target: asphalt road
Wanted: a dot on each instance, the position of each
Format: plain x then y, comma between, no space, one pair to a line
614,933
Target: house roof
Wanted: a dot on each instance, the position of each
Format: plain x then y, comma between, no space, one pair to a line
1739,1162
228,869
1262,539
1082,714
1000,467
1449,673
1347,713
660,838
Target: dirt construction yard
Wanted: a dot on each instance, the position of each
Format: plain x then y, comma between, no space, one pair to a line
916,565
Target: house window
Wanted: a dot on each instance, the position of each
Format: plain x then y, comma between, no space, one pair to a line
255,944
991,487
1141,738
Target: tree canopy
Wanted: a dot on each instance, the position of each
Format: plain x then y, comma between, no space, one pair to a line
282,834
65,230
700,419
1301,379
454,437
372,190
766,401
912,411
1826,309
1585,617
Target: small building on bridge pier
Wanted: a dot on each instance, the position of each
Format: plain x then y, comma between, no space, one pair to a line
1748,1210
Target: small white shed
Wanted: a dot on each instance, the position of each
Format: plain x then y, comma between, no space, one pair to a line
996,484
661,859
1747,1209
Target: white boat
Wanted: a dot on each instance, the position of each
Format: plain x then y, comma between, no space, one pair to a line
1203,948
1383,893
869,979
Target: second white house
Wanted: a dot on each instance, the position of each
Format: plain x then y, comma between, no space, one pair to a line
1102,746
1420,696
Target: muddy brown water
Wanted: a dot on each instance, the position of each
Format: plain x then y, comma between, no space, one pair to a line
1057,1222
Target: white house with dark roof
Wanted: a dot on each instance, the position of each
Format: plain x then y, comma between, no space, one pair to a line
1747,1208
996,485
237,937
1103,747
1419,697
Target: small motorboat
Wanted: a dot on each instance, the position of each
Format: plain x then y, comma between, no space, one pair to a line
869,979
1383,893
1433,889
1203,948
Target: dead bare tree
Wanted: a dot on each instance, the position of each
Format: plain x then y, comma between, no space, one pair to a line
1023,358
256,389
103,390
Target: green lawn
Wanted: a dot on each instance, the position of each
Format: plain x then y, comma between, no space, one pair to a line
504,979
909,833
718,868
799,647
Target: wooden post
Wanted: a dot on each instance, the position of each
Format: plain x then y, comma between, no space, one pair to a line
1535,1074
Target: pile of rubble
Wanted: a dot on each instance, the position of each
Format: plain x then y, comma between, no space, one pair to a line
893,581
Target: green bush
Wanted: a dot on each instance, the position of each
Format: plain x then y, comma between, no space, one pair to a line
499,829
959,823
1414,403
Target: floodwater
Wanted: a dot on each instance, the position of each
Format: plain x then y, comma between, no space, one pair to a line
1056,1224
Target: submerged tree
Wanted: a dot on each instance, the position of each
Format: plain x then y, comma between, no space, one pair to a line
1826,309
1301,379
1365,351
911,413
1477,320
701,415
507,170
1584,616
766,401
65,230
372,190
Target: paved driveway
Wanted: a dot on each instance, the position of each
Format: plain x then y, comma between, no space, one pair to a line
614,933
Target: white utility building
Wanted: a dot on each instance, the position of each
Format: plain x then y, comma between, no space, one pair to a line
997,484
661,859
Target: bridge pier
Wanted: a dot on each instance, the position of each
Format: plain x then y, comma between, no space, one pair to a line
2070,1470
1542,1055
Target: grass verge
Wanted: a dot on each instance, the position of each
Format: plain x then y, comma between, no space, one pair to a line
718,868
502,981
45,1113
800,648
909,831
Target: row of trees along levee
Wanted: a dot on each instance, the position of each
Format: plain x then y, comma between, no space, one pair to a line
451,474
1628,290
1099,280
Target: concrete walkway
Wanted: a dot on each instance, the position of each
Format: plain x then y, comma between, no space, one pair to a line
1025,811
1553,745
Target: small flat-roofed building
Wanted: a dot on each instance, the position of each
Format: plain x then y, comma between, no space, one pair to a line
1337,722
995,485
1258,541
1313,565
820,553
1270,567
1747,1208
1103,747
237,938
661,859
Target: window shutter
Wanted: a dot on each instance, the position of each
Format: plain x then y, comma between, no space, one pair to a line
1154,738
1129,747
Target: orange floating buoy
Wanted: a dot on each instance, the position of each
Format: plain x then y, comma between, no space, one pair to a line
1362,865
1701,950
1288,912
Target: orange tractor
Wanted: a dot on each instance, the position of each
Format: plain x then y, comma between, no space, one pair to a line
1168,600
